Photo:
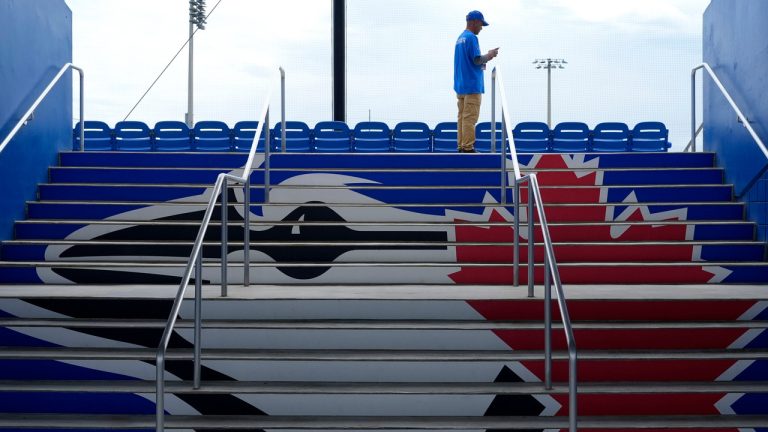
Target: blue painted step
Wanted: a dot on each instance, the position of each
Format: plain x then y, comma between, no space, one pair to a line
699,176
50,230
67,192
394,160
571,273
129,251
586,212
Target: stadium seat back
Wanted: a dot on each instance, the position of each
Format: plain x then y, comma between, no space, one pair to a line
650,137
213,136
297,137
445,137
132,136
371,137
332,137
172,136
243,133
414,137
610,137
532,137
97,136
570,137
483,134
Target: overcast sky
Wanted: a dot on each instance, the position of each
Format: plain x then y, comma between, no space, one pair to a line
628,60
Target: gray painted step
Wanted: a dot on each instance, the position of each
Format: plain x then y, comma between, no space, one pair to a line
374,324
373,423
235,265
372,223
370,355
364,388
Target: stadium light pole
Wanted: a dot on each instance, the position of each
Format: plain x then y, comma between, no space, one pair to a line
196,19
549,64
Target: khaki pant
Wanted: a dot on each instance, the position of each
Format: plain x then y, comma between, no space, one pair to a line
469,112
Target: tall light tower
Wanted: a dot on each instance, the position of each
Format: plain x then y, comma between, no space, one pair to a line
196,19
549,64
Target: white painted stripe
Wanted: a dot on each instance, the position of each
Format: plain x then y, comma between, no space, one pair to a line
735,370
22,309
746,338
348,339
370,405
756,309
725,405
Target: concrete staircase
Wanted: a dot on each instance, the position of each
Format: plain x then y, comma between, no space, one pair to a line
381,296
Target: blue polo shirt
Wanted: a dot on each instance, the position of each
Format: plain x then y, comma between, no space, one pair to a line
467,76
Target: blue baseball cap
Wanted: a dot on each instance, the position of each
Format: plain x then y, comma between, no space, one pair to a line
476,15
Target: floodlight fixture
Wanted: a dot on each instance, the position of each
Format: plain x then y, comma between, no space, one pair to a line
549,64
197,18
197,13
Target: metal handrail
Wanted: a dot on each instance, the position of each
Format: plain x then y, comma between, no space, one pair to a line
551,272
221,187
282,110
696,135
39,100
741,116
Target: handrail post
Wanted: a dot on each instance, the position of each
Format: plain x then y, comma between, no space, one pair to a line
198,316
247,231
159,391
493,110
503,158
547,325
516,265
282,109
572,399
693,110
267,153
531,262
82,108
224,236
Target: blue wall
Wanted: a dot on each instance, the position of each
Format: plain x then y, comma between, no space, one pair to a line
736,46
36,42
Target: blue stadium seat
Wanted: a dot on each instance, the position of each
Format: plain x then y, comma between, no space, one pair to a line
132,136
243,133
414,137
650,137
445,138
297,137
371,137
610,137
531,137
172,136
483,137
570,137
332,137
97,136
212,136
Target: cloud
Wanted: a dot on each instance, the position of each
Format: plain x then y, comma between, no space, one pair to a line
637,16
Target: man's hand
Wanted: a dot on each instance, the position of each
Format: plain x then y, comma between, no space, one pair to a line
492,53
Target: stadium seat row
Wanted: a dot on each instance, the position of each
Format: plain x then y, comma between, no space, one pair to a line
330,136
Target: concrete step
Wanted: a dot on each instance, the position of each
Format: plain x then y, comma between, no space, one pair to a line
369,388
377,211
315,248
357,355
251,422
396,273
50,229
388,193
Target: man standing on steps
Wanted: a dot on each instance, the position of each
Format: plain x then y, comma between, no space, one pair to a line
468,66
